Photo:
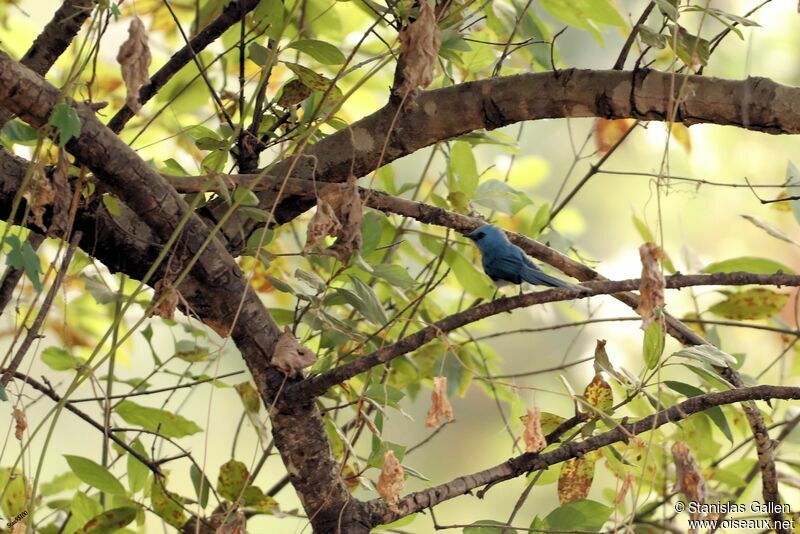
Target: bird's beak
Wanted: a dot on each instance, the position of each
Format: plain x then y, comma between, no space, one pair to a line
468,235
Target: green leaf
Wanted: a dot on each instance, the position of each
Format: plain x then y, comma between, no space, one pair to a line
165,423
63,482
467,274
653,344
137,471
164,505
249,397
500,196
370,306
14,494
707,354
488,526
189,351
747,264
325,53
310,78
59,359
394,274
259,54
215,161
714,413
255,498
668,8
584,14
270,16
94,474
463,165
385,395
582,514
652,38
112,204
22,256
692,50
83,508
19,133
233,476
66,120
200,483
110,521
756,303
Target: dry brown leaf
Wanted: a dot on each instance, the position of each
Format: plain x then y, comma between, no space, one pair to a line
290,356
440,405
166,299
533,435
690,480
39,196
608,132
134,57
651,287
419,48
19,528
623,490
235,526
63,195
21,423
339,213
391,480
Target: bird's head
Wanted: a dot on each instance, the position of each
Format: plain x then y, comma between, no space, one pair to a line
487,236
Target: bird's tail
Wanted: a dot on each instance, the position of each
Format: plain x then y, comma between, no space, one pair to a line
541,278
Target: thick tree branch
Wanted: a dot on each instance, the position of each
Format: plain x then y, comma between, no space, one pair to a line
231,305
755,103
528,462
319,384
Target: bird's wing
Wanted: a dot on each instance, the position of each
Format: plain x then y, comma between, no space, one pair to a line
505,265
533,274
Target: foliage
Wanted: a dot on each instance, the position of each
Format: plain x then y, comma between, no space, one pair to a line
349,282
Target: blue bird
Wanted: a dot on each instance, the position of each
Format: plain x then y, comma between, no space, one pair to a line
506,263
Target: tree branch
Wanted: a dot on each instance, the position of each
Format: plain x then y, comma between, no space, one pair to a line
318,385
229,16
755,103
525,463
226,302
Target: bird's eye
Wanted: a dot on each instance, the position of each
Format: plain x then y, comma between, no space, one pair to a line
479,236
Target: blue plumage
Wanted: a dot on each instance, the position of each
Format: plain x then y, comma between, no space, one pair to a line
506,263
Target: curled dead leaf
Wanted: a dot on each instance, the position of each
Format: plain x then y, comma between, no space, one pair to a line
623,490
690,480
235,526
40,196
19,528
651,287
62,195
134,58
166,299
419,48
290,357
533,435
440,405
339,213
20,423
391,480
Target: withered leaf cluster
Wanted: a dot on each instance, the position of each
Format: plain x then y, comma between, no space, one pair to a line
419,46
339,213
134,58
